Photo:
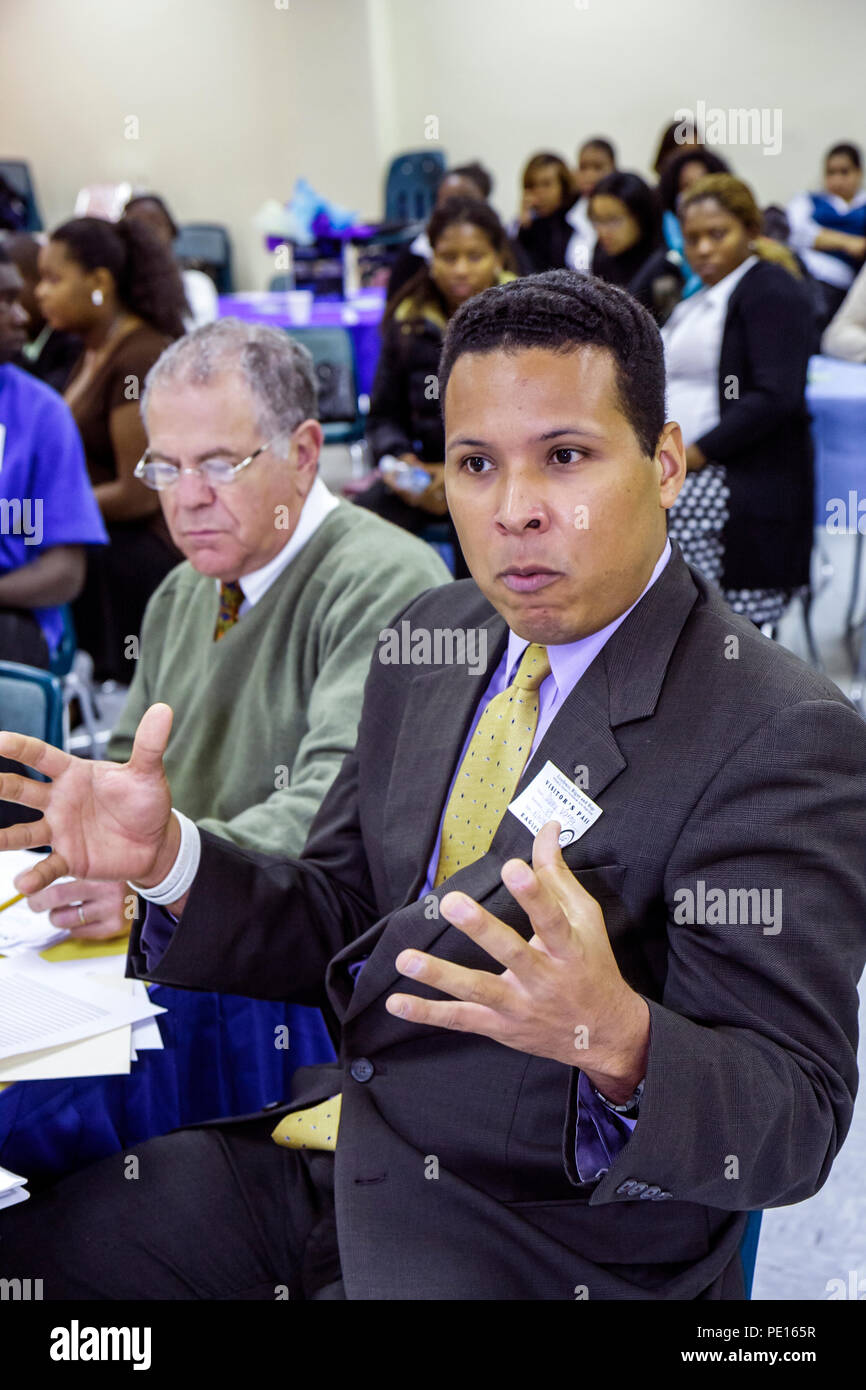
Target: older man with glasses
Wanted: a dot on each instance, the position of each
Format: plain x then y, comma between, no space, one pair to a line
261,642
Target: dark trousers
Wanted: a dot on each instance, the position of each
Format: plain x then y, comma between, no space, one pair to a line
121,577
217,1212
21,640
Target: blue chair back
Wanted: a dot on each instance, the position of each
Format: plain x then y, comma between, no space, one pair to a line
333,355
749,1249
206,246
410,187
17,174
31,702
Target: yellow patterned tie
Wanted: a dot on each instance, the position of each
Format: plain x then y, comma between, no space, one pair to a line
231,598
315,1128
491,769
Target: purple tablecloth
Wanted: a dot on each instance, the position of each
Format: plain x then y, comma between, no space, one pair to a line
361,316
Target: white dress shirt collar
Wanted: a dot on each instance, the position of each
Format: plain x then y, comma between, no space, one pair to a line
569,661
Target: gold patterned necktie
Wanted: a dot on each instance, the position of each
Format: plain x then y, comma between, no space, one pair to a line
484,785
313,1128
231,598
492,766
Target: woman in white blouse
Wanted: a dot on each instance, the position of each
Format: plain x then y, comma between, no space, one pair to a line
736,355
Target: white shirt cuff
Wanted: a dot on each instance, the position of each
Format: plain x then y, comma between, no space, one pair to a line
181,875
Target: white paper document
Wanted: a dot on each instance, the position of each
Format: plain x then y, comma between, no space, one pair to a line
21,929
40,1007
12,1188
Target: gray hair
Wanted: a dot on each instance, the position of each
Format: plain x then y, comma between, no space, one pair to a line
277,369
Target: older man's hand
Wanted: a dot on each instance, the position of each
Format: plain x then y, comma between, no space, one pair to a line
88,909
102,820
561,994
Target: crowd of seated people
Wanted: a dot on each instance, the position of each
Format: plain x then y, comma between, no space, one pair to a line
95,307
144,544
103,300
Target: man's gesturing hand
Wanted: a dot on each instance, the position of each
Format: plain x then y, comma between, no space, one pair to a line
102,820
561,994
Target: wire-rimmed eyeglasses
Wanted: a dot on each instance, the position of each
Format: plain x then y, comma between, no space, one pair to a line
159,474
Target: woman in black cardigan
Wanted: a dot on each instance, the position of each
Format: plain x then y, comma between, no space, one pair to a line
736,355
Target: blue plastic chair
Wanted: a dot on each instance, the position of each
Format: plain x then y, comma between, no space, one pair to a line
31,702
749,1249
206,246
333,354
411,184
17,175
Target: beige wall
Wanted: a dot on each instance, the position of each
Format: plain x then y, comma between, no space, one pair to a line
235,98
508,77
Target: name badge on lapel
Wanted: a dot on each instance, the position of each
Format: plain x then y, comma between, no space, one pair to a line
553,796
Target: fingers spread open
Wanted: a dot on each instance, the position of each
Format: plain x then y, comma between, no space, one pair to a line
500,941
33,752
541,906
25,791
472,986
151,738
46,871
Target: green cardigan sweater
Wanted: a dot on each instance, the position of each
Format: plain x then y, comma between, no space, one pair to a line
264,717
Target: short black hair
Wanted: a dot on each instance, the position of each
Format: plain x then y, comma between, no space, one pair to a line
598,142
477,174
850,151
160,203
641,201
669,178
560,311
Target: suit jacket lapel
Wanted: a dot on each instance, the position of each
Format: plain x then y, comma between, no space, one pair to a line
623,683
434,721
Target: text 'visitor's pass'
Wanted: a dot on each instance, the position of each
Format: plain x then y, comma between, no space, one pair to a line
553,796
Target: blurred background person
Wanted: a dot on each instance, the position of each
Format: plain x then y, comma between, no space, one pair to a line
666,277
47,353
464,181
544,231
596,158
117,287
469,247
845,335
199,289
828,228
43,476
675,138
736,355
625,213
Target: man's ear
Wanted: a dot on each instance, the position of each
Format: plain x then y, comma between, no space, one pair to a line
670,462
308,439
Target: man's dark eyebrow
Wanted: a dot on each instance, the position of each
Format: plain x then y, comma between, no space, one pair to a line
542,438
572,429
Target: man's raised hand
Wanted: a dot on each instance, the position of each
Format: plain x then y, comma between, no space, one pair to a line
102,820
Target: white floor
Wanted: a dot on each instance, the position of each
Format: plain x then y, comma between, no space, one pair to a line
803,1247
